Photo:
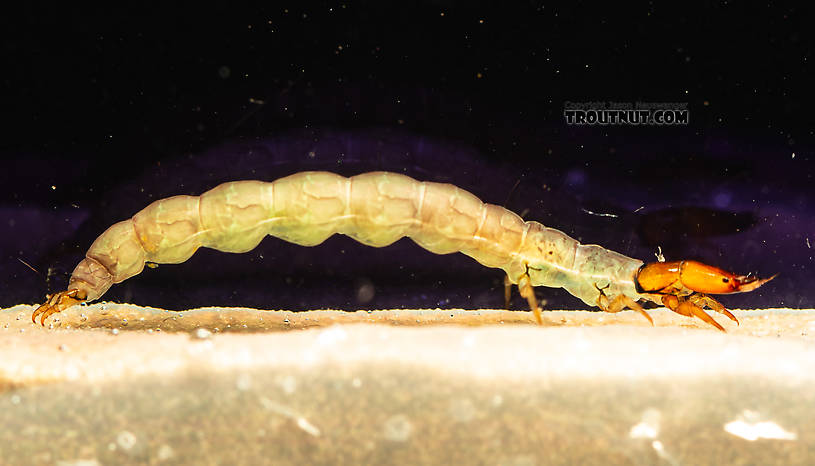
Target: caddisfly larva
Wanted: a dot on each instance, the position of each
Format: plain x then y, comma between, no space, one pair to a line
377,209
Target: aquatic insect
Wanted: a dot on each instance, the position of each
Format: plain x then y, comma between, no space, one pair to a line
377,209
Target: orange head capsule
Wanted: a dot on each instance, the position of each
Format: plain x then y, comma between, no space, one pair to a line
687,276
659,277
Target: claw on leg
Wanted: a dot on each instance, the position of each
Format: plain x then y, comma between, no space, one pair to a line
57,302
703,300
689,309
692,306
619,303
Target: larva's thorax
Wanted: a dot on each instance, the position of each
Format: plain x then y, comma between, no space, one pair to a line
556,260
597,267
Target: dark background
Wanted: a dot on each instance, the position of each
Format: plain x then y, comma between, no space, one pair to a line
108,110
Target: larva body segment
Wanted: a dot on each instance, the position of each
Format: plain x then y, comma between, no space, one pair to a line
232,217
377,209
168,230
382,208
307,208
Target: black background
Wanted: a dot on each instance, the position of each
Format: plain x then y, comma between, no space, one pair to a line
110,109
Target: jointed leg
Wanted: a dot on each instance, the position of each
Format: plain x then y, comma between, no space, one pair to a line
703,300
619,303
57,302
507,291
528,292
686,307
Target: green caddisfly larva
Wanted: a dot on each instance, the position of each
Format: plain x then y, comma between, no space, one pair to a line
377,209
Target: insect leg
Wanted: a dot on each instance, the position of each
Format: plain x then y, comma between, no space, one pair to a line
528,292
57,302
687,308
507,291
619,303
703,300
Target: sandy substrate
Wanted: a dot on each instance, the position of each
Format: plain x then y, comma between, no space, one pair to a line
769,322
122,384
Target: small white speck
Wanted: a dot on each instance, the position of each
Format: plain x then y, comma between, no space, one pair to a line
126,440
658,446
660,256
752,432
648,427
308,427
747,427
643,430
202,334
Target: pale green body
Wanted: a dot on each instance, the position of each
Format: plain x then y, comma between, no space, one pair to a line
373,208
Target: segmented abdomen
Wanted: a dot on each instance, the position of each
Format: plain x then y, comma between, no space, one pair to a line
306,208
